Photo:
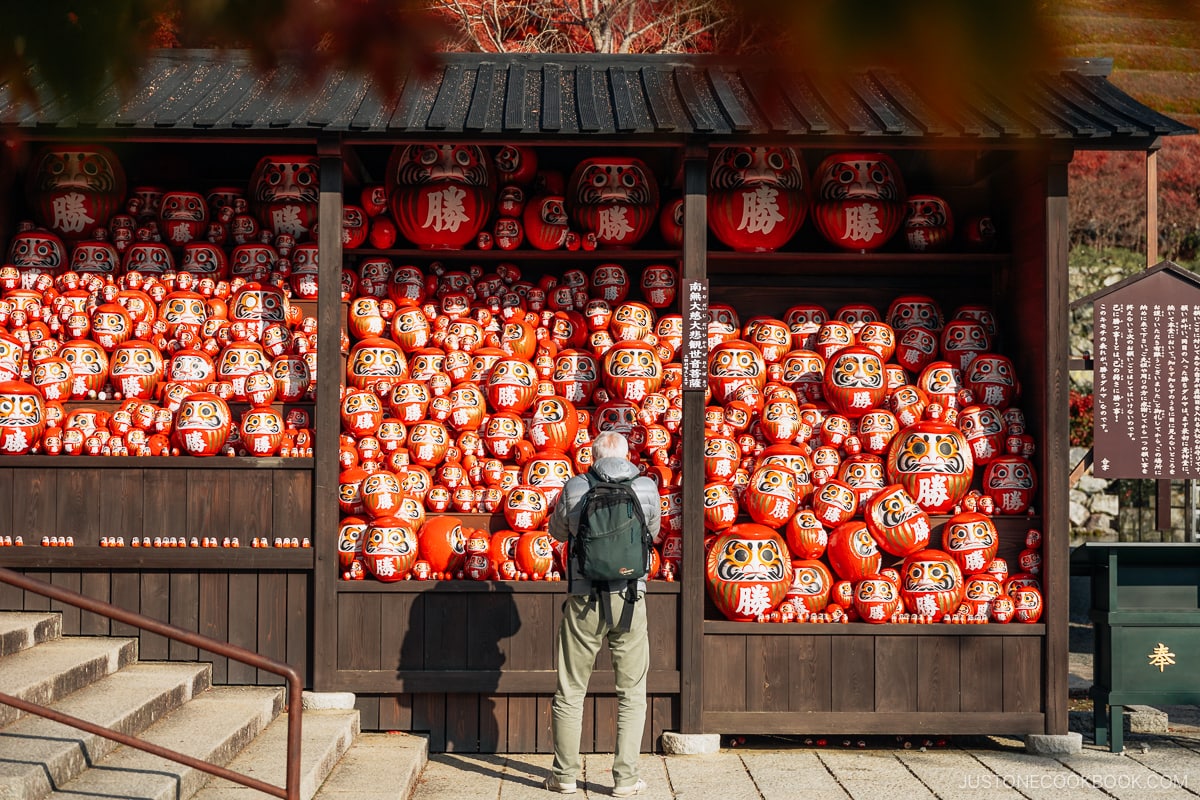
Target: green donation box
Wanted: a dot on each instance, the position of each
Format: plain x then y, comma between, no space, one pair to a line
1146,613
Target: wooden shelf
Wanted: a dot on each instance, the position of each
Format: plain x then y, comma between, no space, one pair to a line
729,627
92,557
156,462
495,255
766,269
372,586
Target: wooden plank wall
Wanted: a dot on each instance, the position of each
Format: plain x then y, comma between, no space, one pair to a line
855,683
265,612
90,502
454,650
507,723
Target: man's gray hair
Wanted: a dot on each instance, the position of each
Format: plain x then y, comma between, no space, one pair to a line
610,444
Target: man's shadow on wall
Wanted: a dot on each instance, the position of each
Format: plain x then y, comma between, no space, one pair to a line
460,632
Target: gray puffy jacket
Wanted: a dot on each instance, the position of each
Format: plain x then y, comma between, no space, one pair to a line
565,520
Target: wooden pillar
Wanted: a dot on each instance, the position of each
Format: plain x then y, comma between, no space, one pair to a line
691,624
1055,489
1152,206
327,423
1162,510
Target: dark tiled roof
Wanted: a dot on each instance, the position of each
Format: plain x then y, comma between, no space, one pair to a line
552,95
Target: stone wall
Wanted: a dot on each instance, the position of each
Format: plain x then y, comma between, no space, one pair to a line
1124,511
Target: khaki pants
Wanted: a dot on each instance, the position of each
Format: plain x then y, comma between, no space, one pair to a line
582,632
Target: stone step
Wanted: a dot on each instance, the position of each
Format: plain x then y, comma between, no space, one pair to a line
52,670
378,766
213,727
325,737
39,754
20,630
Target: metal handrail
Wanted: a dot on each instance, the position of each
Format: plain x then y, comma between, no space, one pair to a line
295,687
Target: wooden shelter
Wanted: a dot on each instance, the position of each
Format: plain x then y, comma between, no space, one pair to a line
473,662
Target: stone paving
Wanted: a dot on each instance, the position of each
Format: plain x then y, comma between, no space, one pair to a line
786,768
1154,765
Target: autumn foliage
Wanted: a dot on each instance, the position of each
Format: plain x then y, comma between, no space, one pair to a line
1108,199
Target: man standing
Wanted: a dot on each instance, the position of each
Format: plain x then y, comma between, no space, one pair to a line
590,618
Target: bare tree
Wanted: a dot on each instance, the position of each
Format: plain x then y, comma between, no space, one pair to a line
598,26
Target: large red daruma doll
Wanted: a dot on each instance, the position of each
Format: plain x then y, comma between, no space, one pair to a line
22,417
860,200
933,463
74,189
283,194
440,194
757,197
613,197
748,572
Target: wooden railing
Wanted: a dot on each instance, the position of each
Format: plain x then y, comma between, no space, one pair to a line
295,688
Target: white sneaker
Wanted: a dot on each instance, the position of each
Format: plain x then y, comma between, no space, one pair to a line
630,791
553,785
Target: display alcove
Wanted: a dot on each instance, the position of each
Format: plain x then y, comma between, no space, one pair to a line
471,663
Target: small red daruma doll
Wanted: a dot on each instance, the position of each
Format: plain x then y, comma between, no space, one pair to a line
971,539
720,506
1011,482
747,571
932,462
757,197
852,552
931,583
806,537
770,497
534,553
981,592
876,598
811,584
928,223
351,535
614,198
390,549
1027,604
899,526
854,382
834,502
859,200
22,417
202,424
525,508
442,543
262,431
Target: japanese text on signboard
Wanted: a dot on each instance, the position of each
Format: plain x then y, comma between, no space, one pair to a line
695,334
1147,396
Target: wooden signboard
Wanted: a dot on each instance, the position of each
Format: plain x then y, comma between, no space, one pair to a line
694,354
1147,376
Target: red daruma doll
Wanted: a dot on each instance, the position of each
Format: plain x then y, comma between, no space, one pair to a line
757,197
440,194
747,571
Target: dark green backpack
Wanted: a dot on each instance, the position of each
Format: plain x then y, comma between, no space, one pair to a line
612,543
